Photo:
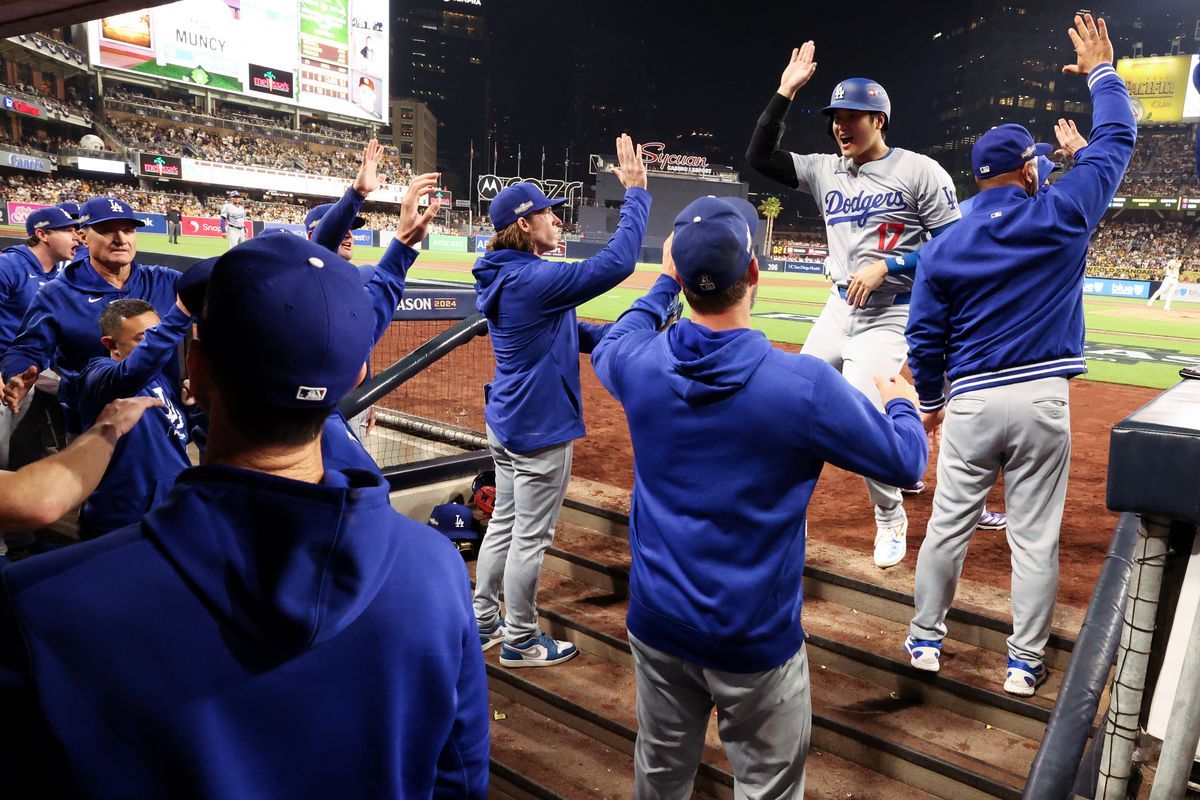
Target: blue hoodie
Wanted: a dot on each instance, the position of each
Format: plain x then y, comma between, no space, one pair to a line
729,438
998,299
255,637
146,460
62,327
21,275
535,400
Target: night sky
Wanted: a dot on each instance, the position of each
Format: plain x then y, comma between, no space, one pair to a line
717,70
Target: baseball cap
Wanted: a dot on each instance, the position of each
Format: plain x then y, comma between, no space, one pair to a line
518,201
748,212
455,520
1045,167
291,317
712,246
1003,149
192,285
71,208
235,193
313,217
49,219
104,209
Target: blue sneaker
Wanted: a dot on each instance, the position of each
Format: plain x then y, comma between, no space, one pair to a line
925,654
1022,679
540,651
992,521
490,637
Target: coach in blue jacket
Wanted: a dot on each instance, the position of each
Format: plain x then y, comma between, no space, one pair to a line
997,309
533,406
721,490
274,629
60,327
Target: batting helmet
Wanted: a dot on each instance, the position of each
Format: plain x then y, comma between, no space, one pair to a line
860,94
483,492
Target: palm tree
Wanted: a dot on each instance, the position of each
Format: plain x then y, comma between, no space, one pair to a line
770,208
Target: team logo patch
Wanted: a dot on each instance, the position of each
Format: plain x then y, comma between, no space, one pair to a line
707,284
1028,151
871,93
521,209
311,394
984,170
115,205
839,92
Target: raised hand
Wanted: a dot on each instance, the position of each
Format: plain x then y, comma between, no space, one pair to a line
1092,47
631,169
413,225
1070,141
18,386
368,179
798,70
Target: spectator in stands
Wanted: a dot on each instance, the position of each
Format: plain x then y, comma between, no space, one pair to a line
60,326
145,464
533,406
277,601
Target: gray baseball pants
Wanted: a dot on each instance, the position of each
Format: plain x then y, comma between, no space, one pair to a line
764,719
530,488
863,343
1023,429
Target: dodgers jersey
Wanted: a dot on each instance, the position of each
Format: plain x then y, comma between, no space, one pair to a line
235,215
880,209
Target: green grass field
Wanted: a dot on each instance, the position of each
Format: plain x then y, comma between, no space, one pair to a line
1127,343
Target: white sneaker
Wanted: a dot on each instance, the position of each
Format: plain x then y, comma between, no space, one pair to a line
890,544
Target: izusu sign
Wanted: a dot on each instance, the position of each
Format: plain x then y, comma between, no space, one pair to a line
656,158
489,186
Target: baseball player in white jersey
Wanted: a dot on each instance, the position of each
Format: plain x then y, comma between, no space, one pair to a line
880,204
234,214
1169,285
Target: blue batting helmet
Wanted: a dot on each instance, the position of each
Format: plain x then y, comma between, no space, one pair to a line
860,94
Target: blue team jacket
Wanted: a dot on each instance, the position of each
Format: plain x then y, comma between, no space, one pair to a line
62,327
255,637
998,298
146,460
534,400
21,275
729,438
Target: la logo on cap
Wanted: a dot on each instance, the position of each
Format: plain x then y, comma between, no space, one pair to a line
706,282
311,394
839,92
115,205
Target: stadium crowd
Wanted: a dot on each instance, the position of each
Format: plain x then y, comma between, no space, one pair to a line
1162,166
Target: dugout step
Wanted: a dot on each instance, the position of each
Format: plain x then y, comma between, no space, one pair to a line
593,698
948,754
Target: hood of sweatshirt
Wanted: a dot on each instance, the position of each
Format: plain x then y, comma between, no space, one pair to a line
705,366
492,272
286,563
26,255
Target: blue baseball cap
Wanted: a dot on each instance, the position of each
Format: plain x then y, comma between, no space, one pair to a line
106,209
1045,167
1003,149
291,318
313,217
71,208
518,201
748,212
192,286
49,219
712,246
454,520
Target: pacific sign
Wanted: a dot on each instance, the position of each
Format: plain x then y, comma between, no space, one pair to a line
489,186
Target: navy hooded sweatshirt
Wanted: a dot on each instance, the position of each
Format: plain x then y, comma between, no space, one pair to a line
21,275
62,327
729,438
535,401
146,460
255,637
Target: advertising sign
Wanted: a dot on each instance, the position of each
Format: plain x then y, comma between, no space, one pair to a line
21,107
202,226
481,243
364,238
155,223
152,165
439,241
19,212
286,226
1157,85
25,161
1114,287
330,55
88,164
488,186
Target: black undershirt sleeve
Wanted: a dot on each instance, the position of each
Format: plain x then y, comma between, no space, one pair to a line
764,153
